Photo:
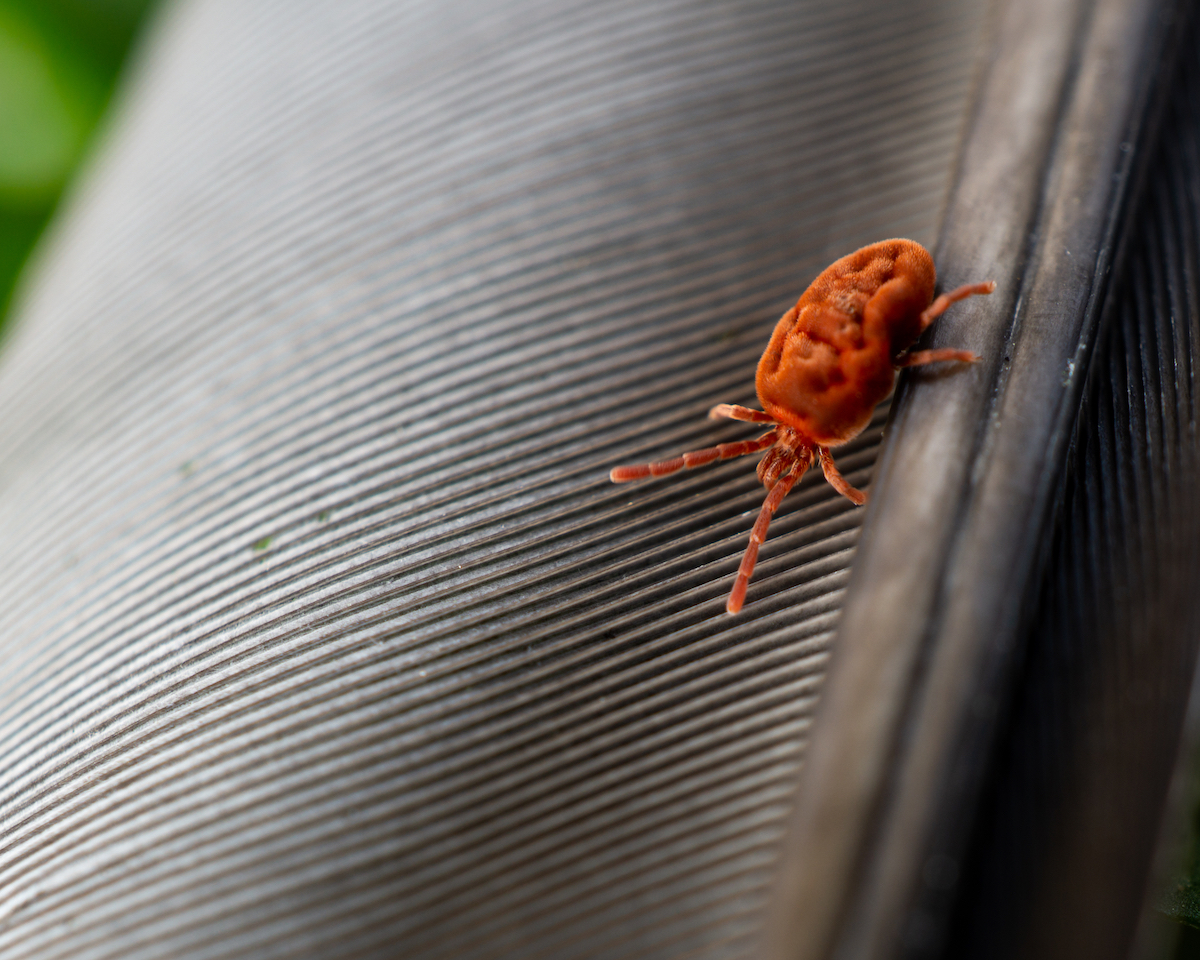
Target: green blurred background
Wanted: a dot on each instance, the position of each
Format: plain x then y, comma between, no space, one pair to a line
59,63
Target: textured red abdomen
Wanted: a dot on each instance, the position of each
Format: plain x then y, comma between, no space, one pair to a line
830,359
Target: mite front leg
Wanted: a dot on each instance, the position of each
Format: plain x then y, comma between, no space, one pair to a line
838,482
694,458
758,535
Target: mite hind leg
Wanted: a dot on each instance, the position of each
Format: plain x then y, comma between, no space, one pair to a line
735,412
938,307
838,482
921,357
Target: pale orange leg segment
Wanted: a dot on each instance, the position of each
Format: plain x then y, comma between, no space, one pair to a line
694,458
775,464
737,596
938,307
919,357
734,412
838,482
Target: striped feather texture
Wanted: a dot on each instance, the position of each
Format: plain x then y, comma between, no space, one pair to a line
322,631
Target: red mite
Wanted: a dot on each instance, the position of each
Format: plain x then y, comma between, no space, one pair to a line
830,361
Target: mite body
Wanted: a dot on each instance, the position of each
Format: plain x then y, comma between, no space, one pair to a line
832,358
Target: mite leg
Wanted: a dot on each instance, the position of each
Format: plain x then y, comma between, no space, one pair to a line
838,482
737,596
777,462
938,307
734,412
920,357
694,458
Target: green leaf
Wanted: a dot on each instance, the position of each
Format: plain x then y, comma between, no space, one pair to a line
48,106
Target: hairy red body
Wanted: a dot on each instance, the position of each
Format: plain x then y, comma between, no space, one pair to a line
832,358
